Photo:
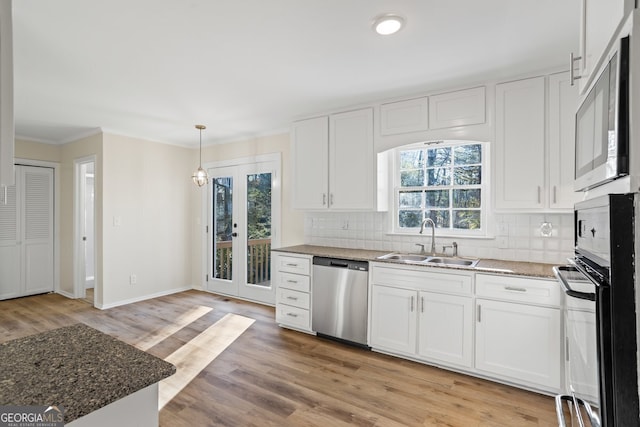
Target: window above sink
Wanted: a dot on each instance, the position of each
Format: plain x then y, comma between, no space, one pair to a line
446,181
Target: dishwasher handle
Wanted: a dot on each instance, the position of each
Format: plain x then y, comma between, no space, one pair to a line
341,263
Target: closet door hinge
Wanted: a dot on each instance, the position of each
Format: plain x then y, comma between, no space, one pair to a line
207,276
207,228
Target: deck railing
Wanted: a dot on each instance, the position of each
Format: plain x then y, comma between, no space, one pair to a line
258,261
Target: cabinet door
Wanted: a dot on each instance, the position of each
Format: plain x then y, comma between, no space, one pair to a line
460,108
600,19
519,342
404,116
351,164
445,329
520,140
310,157
563,102
393,319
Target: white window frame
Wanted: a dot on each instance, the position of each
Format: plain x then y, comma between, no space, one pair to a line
485,198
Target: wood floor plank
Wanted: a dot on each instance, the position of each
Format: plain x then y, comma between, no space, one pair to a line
271,376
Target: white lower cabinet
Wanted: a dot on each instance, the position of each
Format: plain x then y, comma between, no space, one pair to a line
394,320
519,330
445,331
429,315
292,279
408,319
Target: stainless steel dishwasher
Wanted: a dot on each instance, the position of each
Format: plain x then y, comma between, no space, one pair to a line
339,298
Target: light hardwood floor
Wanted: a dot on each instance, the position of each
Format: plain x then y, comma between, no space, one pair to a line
275,377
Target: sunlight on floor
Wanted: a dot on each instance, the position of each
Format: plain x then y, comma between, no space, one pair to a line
195,355
179,323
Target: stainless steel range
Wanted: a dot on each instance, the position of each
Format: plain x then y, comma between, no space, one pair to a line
600,319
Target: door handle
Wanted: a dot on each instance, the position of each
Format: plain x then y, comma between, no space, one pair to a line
234,234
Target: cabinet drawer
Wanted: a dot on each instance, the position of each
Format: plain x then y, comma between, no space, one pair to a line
518,289
422,279
292,264
297,282
293,316
294,298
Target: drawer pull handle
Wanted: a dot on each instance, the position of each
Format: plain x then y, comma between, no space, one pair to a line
292,265
293,298
292,281
515,289
292,314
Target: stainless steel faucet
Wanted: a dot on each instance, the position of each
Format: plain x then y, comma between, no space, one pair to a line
454,246
433,233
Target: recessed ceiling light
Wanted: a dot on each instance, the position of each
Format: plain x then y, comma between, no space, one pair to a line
388,24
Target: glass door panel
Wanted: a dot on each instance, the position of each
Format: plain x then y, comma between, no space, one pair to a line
259,229
223,227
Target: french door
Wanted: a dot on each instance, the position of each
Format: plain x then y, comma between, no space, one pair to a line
243,216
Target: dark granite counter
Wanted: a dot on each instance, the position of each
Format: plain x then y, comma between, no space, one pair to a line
519,268
77,367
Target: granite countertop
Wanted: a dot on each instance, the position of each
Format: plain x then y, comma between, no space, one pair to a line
519,268
77,367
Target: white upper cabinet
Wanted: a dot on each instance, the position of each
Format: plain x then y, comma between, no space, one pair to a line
334,165
535,128
563,102
598,24
352,163
460,108
520,141
404,116
310,156
439,111
7,133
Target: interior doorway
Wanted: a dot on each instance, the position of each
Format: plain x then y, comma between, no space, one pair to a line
85,242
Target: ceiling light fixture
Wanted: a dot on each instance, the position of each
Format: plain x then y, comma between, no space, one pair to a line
388,24
200,176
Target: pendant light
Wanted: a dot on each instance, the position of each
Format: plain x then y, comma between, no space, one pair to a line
200,176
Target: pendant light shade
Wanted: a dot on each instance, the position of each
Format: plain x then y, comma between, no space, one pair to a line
200,176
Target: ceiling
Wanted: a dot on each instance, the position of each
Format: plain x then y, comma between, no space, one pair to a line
152,69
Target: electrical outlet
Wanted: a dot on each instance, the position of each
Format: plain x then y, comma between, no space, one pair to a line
133,279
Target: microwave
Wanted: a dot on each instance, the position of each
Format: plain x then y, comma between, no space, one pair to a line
602,124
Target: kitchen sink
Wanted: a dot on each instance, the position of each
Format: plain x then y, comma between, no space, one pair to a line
404,257
427,259
460,262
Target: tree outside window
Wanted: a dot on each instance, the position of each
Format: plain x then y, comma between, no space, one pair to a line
441,183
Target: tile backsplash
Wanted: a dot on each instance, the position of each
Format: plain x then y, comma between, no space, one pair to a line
515,237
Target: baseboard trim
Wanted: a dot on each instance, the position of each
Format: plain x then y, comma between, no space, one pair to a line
65,294
143,298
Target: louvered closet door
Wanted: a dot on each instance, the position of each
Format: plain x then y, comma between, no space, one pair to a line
26,233
37,229
10,258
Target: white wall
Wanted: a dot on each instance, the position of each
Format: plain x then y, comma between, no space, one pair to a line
147,189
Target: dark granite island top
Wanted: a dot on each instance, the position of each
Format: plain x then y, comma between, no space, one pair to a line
77,367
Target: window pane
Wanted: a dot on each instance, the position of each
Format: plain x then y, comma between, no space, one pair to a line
468,154
437,199
408,219
412,159
412,178
467,175
466,198
439,176
439,156
258,228
410,199
468,220
223,227
440,217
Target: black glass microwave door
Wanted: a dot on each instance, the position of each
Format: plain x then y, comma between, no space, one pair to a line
592,127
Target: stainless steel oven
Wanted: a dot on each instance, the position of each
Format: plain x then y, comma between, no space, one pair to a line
600,319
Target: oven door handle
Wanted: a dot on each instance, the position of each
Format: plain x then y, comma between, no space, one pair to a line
590,296
593,418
